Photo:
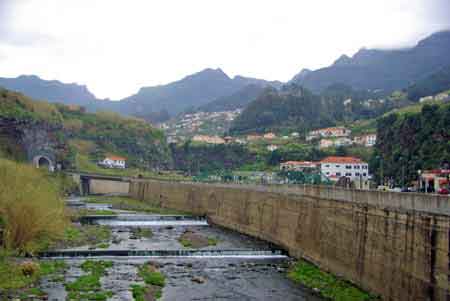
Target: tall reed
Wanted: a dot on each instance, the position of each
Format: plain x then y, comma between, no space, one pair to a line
31,209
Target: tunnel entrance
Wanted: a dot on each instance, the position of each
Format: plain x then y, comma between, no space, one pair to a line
43,162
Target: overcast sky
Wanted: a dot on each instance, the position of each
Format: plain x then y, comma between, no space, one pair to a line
116,46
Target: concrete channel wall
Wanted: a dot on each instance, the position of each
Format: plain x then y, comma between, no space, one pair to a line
99,186
394,244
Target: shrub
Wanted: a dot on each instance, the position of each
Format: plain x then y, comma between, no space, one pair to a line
29,268
30,207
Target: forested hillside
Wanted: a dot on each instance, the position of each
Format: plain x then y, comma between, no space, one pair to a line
237,100
143,145
431,85
296,108
196,158
292,106
410,140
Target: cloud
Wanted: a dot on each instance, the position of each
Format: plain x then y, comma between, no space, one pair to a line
116,47
11,35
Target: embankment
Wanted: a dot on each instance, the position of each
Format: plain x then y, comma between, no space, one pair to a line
396,245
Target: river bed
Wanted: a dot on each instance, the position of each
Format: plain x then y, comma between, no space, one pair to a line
229,276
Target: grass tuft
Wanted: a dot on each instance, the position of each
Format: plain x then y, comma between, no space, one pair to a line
327,284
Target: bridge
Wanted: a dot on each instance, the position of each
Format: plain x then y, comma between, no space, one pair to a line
100,184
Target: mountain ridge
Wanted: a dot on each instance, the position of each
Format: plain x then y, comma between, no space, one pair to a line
372,69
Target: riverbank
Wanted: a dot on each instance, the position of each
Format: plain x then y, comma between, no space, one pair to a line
185,259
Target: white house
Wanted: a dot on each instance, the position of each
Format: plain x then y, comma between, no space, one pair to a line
113,162
336,167
272,147
339,131
297,165
366,140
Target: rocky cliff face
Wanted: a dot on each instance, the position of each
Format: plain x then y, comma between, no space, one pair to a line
34,140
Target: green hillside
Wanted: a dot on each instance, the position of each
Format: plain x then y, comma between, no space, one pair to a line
295,108
108,133
414,138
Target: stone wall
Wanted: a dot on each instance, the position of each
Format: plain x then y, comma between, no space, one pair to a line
396,245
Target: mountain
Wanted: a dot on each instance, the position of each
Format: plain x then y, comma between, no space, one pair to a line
290,107
192,91
50,90
301,75
151,103
234,101
387,70
296,108
431,85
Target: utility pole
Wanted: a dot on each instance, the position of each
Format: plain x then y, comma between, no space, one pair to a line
403,176
381,169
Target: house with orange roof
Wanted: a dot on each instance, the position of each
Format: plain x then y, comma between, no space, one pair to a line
335,167
112,161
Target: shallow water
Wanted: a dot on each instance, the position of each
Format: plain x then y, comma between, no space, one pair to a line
249,272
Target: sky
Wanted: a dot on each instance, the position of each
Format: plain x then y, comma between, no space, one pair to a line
117,46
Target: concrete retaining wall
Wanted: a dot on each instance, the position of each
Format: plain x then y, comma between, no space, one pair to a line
97,186
393,244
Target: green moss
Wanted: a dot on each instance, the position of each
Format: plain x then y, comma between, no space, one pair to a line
88,287
139,292
142,232
151,276
154,281
212,241
52,267
103,245
328,285
15,283
185,242
92,235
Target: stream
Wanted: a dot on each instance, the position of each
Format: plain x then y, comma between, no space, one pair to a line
231,266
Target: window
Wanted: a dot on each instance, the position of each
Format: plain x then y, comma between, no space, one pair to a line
357,174
348,166
338,166
328,165
327,173
348,174
364,167
356,167
364,174
338,174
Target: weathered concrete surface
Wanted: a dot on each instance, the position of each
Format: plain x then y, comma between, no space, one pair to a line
381,242
108,187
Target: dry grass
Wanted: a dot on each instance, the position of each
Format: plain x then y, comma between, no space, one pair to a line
31,210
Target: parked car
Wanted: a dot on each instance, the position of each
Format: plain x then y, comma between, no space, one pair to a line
382,188
444,191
